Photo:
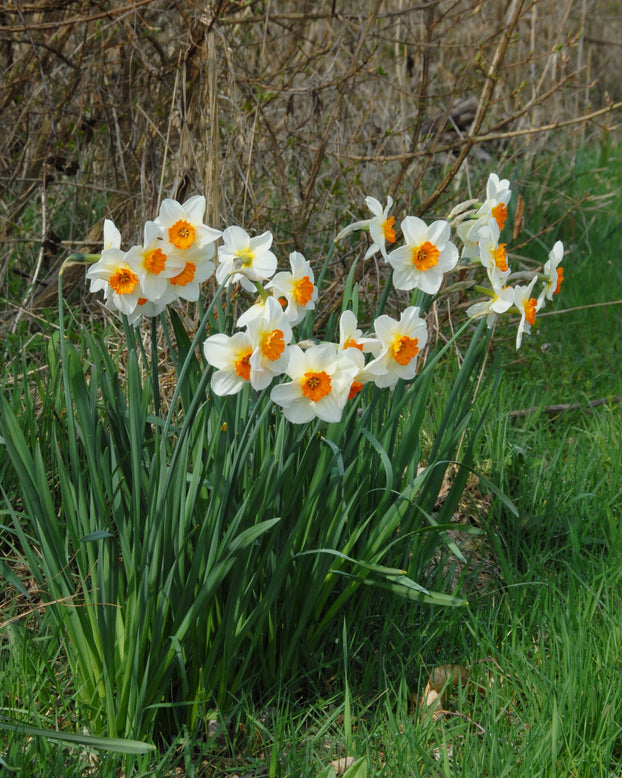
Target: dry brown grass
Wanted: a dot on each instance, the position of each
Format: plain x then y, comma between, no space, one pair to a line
284,113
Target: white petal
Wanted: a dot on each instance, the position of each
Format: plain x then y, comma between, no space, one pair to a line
374,206
195,208
414,229
226,382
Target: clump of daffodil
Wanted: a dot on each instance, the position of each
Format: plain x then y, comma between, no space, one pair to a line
174,260
310,379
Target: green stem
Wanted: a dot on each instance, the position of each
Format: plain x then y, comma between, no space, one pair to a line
78,259
154,367
262,291
485,291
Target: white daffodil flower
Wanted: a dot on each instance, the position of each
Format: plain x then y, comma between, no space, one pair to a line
351,337
399,345
244,259
322,378
112,236
296,288
183,224
113,275
527,307
155,262
494,208
380,227
501,300
492,254
197,269
269,334
230,355
145,307
427,255
553,275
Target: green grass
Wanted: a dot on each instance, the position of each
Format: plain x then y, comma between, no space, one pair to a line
541,636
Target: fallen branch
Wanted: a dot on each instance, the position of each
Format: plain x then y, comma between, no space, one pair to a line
563,407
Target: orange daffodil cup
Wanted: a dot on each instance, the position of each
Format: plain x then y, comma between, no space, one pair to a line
179,253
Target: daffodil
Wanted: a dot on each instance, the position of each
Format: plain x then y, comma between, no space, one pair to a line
427,255
257,309
322,378
296,288
147,308
492,254
155,262
399,344
244,259
197,268
351,337
497,190
494,208
113,275
183,224
527,307
183,227
269,334
380,227
501,299
553,274
112,236
231,356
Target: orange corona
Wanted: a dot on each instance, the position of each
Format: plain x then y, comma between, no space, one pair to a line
243,366
389,230
351,343
500,214
355,389
186,275
425,256
316,385
181,234
123,281
155,261
501,258
530,310
303,290
273,345
405,349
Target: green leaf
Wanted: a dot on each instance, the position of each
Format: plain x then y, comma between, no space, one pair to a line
12,579
384,457
358,769
380,569
406,587
251,534
118,745
7,766
488,484
100,534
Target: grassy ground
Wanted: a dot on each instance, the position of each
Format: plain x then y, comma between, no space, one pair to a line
538,649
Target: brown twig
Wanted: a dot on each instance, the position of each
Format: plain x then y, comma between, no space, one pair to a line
74,19
564,407
482,108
